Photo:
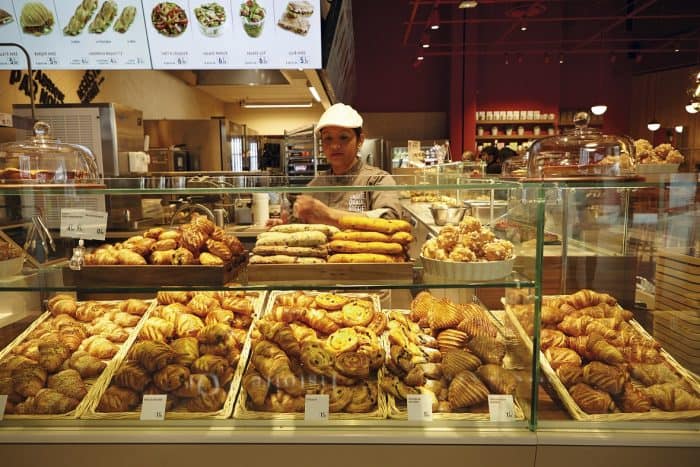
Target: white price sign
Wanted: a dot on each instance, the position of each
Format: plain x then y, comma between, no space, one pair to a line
83,223
316,408
153,407
3,404
420,407
501,408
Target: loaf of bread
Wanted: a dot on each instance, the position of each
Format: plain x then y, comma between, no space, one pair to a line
387,226
311,238
403,238
364,258
310,251
328,230
349,246
285,259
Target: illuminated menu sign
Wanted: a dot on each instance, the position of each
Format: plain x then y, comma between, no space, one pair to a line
181,34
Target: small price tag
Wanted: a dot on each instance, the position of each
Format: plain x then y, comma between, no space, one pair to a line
153,407
316,408
501,408
3,404
82,223
420,407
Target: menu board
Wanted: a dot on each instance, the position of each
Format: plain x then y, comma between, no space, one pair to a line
180,34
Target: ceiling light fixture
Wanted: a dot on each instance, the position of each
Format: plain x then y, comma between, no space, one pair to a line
561,58
275,105
678,128
692,108
425,40
420,57
468,4
523,27
434,19
313,91
653,125
599,109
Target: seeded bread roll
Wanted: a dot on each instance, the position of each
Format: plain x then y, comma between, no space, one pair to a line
316,252
329,230
284,259
313,238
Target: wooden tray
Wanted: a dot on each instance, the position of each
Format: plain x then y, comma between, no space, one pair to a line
331,273
578,414
91,412
242,412
153,275
398,411
93,384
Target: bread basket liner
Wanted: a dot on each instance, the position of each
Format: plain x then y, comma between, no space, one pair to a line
398,410
94,384
573,408
479,271
242,412
225,411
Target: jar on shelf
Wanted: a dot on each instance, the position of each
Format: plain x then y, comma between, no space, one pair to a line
521,130
536,130
494,130
480,131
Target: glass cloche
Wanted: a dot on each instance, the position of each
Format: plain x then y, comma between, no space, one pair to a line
581,152
46,160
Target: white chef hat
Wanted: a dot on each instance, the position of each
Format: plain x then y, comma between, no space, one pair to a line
340,115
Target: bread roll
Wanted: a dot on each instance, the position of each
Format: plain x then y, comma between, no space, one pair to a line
387,226
312,238
310,251
328,230
348,246
363,258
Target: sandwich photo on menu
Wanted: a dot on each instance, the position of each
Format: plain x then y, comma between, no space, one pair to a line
36,19
5,17
83,13
295,17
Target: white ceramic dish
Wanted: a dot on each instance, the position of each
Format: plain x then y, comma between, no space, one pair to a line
468,272
657,168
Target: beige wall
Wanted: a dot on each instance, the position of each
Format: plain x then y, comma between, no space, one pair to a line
664,95
273,121
405,125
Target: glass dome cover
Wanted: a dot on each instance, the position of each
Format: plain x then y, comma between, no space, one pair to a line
581,152
42,159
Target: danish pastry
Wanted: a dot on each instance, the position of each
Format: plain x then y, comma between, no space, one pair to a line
358,313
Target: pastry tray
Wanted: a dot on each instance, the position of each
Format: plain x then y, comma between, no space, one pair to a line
397,408
331,273
242,412
225,411
578,414
93,384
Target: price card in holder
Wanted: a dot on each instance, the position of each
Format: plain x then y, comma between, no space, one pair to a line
3,404
420,407
316,408
83,223
501,408
153,407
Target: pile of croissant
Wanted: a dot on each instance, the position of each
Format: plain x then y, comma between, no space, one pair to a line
449,351
188,348
316,344
199,242
468,241
47,372
604,362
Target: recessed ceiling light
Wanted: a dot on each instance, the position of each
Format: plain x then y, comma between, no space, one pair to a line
678,128
599,109
523,27
420,57
468,4
653,125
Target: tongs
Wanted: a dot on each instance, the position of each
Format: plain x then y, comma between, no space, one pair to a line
38,229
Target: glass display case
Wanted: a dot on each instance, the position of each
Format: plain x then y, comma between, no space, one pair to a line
462,335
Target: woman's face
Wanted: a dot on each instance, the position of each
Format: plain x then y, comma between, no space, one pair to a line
340,146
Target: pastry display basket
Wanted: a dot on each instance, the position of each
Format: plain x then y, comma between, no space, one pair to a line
43,160
581,153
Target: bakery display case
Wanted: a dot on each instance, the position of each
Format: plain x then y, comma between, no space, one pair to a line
385,331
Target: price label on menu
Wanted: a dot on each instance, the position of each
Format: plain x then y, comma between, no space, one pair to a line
420,407
501,408
3,404
83,223
316,408
153,407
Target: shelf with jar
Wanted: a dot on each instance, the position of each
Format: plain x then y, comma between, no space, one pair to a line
514,130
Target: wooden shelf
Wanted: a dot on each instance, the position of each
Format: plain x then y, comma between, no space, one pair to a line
510,137
516,122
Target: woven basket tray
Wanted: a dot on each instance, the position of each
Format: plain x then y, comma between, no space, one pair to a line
243,412
578,414
398,411
93,384
225,411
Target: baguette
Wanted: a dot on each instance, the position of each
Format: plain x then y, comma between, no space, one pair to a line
387,226
348,246
403,238
329,230
364,258
313,238
312,251
284,259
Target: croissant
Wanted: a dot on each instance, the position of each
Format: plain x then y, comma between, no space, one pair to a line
592,401
574,326
488,349
195,385
129,257
71,336
281,335
219,249
570,374
157,329
126,320
69,383
62,304
274,365
319,320
86,365
585,298
134,306
52,355
188,325
201,304
216,333
166,298
653,373
641,354
580,345
28,380
600,349
627,337
393,385
282,402
187,349
152,355
182,256
670,397
552,338
256,387
219,315
466,390
287,314
552,315
132,376
498,379
558,356
15,362
213,365
117,399
606,377
633,400
234,244
50,401
90,311
109,330
603,326
171,377
192,238
241,305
